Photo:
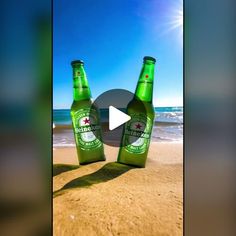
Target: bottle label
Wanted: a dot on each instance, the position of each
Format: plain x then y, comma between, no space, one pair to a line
86,125
137,135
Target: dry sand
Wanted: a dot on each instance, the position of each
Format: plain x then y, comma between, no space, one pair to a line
107,198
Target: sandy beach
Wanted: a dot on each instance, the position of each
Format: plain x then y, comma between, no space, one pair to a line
108,198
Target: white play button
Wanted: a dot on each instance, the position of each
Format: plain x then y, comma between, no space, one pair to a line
116,118
109,106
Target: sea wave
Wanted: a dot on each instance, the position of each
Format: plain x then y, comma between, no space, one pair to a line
168,126
63,145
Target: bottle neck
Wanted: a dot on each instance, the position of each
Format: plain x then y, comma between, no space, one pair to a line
144,89
81,89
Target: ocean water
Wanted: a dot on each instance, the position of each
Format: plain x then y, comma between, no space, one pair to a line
168,126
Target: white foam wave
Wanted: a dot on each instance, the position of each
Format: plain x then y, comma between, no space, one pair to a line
63,145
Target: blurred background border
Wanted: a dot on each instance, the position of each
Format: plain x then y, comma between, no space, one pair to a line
209,134
26,110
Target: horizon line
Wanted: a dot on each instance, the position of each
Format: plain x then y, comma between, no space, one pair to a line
121,107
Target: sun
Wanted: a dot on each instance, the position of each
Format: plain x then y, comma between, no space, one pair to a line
177,22
174,19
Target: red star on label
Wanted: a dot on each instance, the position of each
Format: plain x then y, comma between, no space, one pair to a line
146,76
86,121
138,126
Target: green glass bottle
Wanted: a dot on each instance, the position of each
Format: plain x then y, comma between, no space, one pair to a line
85,119
133,149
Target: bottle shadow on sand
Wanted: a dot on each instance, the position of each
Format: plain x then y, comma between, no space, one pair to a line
108,172
60,168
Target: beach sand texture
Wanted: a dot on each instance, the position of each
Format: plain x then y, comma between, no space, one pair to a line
108,198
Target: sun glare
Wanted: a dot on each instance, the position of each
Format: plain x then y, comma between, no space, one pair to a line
174,20
177,21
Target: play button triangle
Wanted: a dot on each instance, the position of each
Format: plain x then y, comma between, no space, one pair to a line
116,118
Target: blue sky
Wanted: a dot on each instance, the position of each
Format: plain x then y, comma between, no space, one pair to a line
112,37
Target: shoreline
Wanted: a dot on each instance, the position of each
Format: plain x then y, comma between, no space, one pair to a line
60,146
166,152
105,124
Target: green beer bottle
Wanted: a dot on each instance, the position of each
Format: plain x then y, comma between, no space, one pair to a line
85,119
134,148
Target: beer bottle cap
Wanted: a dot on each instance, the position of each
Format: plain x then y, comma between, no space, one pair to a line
77,62
149,59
